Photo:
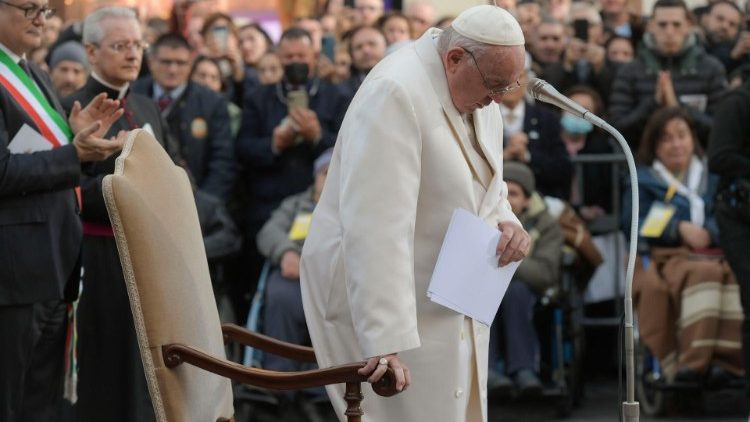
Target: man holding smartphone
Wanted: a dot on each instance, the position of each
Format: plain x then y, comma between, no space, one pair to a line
285,127
571,54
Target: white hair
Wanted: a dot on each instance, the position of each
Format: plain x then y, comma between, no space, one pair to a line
450,38
93,31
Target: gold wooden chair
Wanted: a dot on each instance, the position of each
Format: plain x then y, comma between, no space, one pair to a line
182,343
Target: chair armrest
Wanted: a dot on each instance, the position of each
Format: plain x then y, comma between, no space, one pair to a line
176,354
235,333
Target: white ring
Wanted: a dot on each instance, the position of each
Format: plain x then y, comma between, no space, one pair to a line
383,361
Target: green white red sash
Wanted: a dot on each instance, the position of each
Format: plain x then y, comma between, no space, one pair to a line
26,93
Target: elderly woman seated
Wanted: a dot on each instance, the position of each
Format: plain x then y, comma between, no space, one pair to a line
687,301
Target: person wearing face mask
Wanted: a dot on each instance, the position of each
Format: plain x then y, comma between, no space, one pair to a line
285,126
532,135
593,198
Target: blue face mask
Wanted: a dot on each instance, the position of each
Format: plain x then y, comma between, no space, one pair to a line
575,125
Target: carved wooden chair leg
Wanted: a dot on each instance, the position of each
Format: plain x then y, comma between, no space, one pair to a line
353,399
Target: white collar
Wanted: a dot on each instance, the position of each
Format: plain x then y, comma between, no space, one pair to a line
690,191
517,111
175,93
13,56
122,90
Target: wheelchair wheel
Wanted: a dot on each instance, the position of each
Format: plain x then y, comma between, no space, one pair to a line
564,406
577,341
648,383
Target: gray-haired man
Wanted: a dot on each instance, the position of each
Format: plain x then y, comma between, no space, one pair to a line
112,384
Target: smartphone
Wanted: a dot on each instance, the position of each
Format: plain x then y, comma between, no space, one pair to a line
221,34
328,47
297,99
581,29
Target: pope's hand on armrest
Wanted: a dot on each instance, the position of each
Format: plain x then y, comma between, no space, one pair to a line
378,365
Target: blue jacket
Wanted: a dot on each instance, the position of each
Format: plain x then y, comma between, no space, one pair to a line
199,120
652,188
271,177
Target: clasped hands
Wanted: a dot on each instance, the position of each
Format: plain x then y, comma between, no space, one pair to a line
517,147
664,93
91,123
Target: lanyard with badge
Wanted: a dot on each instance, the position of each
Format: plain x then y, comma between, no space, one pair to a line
659,215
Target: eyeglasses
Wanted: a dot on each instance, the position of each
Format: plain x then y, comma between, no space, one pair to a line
32,11
493,92
170,62
123,46
365,8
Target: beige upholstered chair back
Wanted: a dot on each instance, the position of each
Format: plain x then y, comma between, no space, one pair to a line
153,214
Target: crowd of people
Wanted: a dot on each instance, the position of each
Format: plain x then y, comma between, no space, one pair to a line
253,121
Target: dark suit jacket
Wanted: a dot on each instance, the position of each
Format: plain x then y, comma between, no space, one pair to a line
269,178
139,111
549,158
199,120
40,233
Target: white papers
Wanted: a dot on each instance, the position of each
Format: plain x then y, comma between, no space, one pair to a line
28,140
466,278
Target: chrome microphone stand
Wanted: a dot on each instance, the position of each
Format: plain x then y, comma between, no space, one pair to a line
543,91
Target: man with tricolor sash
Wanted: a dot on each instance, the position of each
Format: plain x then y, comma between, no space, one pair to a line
40,232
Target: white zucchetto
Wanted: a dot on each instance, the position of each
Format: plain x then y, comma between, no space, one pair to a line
490,25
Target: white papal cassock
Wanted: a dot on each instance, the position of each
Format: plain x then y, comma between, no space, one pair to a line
404,160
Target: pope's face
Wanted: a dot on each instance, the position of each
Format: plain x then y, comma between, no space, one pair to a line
475,82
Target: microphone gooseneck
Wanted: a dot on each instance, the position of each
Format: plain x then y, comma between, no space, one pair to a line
543,91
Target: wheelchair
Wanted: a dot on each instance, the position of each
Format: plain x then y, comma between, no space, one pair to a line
657,395
558,319
258,405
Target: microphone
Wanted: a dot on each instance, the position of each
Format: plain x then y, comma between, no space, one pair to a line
541,90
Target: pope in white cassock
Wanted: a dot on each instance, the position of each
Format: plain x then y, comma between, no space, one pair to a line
422,137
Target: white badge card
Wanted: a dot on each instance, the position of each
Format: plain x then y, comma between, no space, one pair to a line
657,219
